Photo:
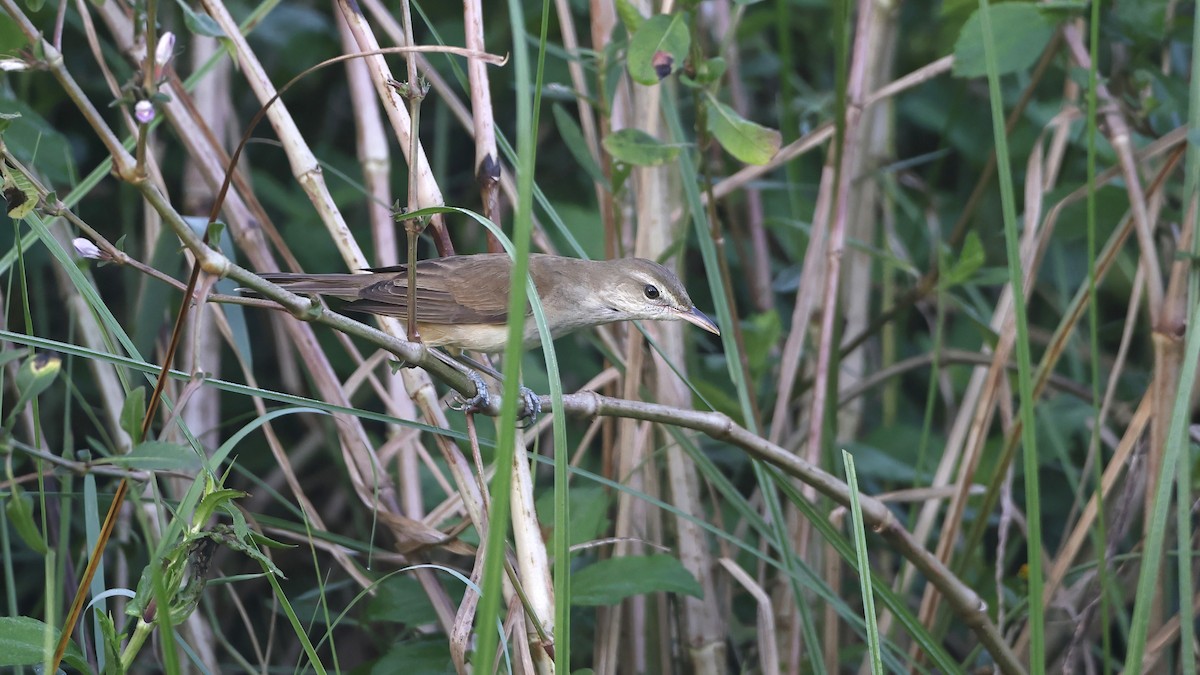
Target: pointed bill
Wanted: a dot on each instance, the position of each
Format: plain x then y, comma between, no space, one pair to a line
695,316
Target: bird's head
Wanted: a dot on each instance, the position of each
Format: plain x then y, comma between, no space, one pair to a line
635,288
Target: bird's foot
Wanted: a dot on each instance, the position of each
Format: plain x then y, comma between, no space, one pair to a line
480,401
532,407
531,403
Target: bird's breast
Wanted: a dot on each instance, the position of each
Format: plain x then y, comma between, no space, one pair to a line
489,338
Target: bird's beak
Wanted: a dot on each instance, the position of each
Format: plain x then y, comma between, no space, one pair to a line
697,317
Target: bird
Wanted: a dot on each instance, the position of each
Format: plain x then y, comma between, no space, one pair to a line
462,300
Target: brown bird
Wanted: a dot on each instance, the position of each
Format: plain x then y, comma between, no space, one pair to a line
462,301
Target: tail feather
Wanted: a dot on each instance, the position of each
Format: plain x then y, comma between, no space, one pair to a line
345,286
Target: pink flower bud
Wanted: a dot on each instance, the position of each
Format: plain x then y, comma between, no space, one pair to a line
143,111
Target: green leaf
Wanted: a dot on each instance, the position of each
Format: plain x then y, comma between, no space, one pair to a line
249,548
20,195
9,355
721,398
133,413
20,511
1020,32
193,580
630,17
572,135
608,582
639,148
200,24
216,499
29,136
159,456
620,174
761,333
37,374
400,599
708,72
215,230
24,640
6,120
589,513
969,262
658,48
746,141
425,656
112,644
1143,23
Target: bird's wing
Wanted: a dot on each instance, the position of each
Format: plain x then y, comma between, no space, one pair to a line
449,291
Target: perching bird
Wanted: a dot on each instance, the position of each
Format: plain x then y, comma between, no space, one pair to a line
462,301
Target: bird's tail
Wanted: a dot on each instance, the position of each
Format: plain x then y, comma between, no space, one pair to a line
345,286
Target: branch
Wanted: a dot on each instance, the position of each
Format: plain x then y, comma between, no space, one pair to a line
964,602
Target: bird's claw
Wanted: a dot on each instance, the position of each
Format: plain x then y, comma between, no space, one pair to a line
531,402
480,401
531,409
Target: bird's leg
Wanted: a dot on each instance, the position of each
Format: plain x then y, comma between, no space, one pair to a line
532,403
482,398
532,407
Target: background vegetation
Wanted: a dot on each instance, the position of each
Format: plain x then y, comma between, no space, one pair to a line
852,189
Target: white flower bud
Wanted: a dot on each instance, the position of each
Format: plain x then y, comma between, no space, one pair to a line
165,49
84,248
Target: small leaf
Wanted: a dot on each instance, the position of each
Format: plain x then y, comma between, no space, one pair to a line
708,72
970,260
658,48
620,174
6,120
23,640
159,456
761,333
217,499
608,582
639,148
416,656
400,599
195,579
249,549
630,17
746,141
112,644
215,230
20,511
1019,33
133,412
589,513
200,24
20,195
37,373
572,135
9,355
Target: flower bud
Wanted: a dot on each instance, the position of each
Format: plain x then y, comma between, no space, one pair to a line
163,53
143,111
84,248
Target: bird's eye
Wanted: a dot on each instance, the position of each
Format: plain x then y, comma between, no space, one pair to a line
652,291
